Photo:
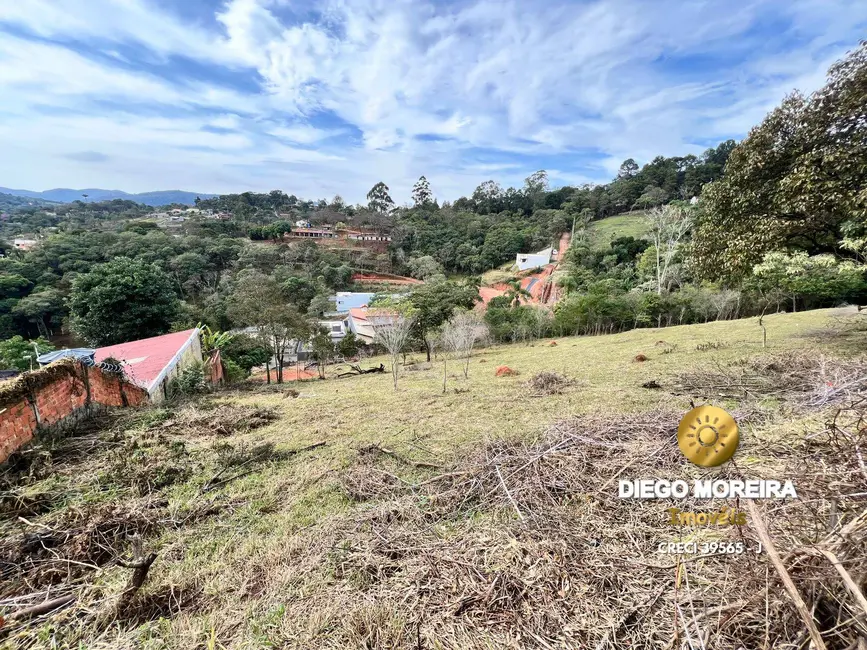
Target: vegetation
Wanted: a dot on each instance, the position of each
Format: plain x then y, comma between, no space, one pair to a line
122,300
777,221
268,513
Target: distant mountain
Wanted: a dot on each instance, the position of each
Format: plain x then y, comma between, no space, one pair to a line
63,195
10,201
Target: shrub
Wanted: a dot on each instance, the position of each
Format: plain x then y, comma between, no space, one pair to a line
234,372
190,381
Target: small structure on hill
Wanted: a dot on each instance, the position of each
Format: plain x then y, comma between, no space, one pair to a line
525,261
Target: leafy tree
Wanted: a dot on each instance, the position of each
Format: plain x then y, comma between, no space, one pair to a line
20,354
818,277
122,300
421,193
379,200
43,308
299,291
536,186
488,198
628,169
258,301
246,351
424,267
794,181
349,345
435,303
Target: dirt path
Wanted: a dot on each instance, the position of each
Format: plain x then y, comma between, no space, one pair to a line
565,238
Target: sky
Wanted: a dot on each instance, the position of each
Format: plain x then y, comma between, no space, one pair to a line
325,98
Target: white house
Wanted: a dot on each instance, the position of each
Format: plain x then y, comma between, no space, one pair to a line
525,261
336,329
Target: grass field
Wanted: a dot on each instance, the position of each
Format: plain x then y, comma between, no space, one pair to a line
259,546
631,224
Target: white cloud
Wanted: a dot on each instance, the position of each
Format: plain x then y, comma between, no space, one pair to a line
576,86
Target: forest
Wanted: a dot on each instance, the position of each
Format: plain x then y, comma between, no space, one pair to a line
777,221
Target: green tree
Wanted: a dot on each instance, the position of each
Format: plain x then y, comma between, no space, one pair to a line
246,351
258,301
794,181
379,200
424,267
45,309
817,277
349,345
20,354
421,193
122,300
435,303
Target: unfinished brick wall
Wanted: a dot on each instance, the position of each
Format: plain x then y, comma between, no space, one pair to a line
51,398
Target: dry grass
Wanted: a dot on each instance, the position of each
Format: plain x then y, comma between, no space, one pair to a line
466,520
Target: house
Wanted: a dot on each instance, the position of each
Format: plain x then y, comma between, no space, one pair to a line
526,261
311,233
302,223
365,236
346,300
360,325
153,362
336,329
24,244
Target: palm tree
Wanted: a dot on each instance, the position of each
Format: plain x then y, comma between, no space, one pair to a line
515,293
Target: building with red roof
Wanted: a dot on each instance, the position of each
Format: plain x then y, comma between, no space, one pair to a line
152,363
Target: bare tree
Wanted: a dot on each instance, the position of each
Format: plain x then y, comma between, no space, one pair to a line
669,225
460,335
392,330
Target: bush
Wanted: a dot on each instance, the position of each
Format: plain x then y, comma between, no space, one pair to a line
234,373
191,381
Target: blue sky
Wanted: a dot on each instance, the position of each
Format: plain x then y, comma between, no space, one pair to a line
325,98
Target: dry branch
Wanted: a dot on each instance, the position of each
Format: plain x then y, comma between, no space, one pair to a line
788,583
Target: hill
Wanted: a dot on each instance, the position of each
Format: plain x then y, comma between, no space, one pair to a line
155,199
629,224
357,516
10,202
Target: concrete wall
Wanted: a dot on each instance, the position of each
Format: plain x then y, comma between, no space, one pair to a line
187,356
48,400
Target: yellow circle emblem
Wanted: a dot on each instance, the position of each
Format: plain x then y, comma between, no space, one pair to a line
708,436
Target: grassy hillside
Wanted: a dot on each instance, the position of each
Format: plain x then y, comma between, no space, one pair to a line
396,532
631,224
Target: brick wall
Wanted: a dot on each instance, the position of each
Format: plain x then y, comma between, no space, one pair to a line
50,399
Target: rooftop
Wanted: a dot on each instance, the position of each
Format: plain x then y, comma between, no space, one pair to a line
145,359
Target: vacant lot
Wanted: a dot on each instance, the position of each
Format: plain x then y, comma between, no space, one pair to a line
352,515
631,224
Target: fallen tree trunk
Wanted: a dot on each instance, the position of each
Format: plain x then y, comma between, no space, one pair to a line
357,370
41,608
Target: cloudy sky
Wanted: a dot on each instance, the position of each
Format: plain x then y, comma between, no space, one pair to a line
321,98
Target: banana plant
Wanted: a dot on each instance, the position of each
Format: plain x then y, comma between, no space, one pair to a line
213,340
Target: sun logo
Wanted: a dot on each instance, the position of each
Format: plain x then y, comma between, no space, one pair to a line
708,436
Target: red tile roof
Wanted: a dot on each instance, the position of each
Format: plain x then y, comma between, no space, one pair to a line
358,313
144,360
